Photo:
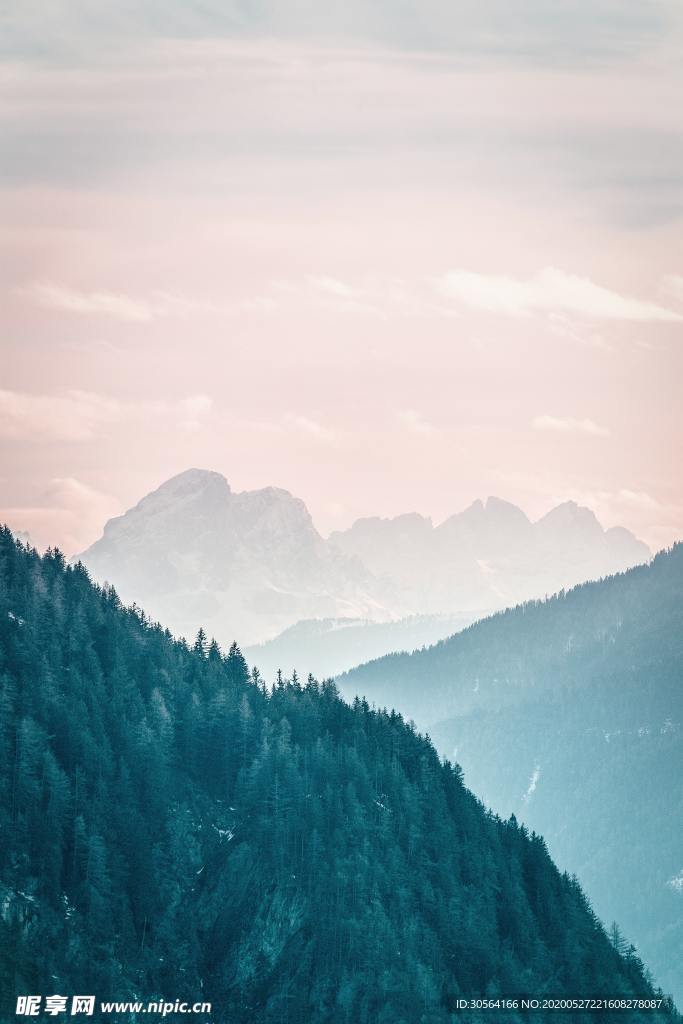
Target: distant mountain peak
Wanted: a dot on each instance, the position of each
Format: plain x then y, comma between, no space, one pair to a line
412,518
501,509
191,487
278,511
474,510
189,484
571,508
494,512
270,496
193,477
368,529
571,513
470,517
194,552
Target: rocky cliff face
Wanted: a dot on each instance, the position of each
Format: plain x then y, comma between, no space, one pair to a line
490,555
249,565
242,565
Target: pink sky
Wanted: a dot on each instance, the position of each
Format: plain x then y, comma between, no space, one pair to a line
385,278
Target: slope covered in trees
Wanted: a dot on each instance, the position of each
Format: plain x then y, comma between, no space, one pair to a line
569,714
170,828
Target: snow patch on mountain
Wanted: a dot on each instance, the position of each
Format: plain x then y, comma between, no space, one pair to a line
676,883
533,782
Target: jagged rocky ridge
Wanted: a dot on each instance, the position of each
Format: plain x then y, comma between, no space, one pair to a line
252,564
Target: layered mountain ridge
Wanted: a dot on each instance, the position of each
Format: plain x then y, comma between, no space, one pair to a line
333,645
252,564
172,829
490,554
569,714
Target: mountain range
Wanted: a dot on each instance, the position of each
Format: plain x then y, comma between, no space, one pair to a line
568,713
173,830
252,564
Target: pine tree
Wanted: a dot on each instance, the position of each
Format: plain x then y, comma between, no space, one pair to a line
237,668
201,644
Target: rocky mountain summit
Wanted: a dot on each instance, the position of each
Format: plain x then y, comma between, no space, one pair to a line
251,564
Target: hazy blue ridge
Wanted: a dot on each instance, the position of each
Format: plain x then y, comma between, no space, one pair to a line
569,714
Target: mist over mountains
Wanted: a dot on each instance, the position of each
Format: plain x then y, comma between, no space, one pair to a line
334,645
490,555
252,564
172,827
559,710
568,713
195,553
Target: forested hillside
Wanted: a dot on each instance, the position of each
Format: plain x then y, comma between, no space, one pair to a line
569,714
172,828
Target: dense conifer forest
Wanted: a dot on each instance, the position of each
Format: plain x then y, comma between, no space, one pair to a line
171,826
569,713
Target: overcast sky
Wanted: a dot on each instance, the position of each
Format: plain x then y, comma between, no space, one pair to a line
391,257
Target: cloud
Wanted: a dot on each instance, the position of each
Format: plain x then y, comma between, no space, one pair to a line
74,415
673,284
70,493
70,416
334,286
380,296
67,508
415,423
102,303
564,328
576,32
193,411
310,427
568,426
320,291
549,291
638,499
156,304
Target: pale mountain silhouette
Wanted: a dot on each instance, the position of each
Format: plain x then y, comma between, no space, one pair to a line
251,564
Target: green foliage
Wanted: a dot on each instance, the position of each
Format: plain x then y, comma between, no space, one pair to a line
170,828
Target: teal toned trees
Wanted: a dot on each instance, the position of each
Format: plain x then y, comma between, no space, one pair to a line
201,644
170,827
237,668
